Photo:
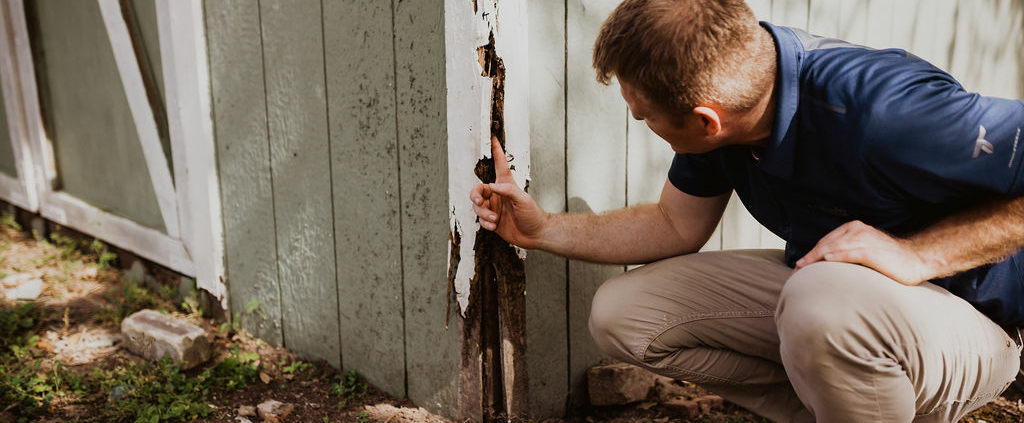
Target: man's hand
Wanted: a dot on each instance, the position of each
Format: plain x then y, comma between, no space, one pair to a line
858,243
505,208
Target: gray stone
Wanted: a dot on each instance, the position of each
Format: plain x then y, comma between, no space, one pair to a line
274,411
136,273
153,335
26,290
618,383
38,227
247,411
15,279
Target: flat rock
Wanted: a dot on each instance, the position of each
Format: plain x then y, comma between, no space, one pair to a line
618,383
246,411
154,336
274,411
26,290
14,280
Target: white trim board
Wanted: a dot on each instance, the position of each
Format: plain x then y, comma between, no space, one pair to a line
142,113
20,190
189,117
148,243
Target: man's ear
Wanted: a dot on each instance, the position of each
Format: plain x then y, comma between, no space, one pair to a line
709,119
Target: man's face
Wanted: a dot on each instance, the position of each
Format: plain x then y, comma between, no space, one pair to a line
684,134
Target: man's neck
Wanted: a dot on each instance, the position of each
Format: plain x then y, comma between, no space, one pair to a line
754,126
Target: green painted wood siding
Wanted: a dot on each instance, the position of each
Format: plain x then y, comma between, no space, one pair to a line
331,138
7,163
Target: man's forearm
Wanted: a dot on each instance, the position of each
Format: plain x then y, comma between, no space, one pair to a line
978,236
639,234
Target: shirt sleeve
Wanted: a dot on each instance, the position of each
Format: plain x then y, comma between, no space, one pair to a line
698,175
939,143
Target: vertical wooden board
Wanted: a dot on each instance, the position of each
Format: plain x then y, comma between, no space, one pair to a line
880,23
432,370
790,13
904,21
360,63
95,141
739,228
547,351
988,47
648,159
243,160
934,27
853,24
301,171
595,175
762,9
823,18
7,162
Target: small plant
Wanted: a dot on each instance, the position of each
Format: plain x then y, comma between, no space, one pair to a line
350,388
235,323
7,219
129,299
15,321
296,367
104,256
362,417
67,245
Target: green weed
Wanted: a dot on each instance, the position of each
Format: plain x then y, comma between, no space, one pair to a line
7,219
129,299
350,388
362,417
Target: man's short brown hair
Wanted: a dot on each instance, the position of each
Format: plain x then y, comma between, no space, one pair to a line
684,53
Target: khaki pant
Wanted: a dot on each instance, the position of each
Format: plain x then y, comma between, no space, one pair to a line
833,342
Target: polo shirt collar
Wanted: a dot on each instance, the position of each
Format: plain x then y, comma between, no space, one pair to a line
777,159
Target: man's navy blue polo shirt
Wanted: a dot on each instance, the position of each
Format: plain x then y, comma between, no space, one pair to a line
879,136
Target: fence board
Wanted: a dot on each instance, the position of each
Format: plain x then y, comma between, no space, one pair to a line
595,175
853,24
987,48
300,167
423,159
360,83
547,351
243,156
7,163
823,18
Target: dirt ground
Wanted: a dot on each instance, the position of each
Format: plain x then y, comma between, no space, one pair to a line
60,360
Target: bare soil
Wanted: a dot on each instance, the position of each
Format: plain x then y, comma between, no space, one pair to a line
79,298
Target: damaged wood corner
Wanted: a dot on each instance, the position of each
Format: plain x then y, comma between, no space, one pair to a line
494,380
454,256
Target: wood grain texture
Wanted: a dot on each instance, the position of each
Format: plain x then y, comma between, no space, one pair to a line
243,156
301,171
595,175
93,132
547,352
987,48
432,368
364,151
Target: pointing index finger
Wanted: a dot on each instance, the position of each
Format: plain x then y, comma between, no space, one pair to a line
501,170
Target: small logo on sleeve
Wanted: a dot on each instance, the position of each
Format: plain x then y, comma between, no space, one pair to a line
981,144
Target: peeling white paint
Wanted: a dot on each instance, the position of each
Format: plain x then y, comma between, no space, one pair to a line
469,105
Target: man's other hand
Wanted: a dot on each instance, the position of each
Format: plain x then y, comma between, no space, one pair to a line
505,208
858,243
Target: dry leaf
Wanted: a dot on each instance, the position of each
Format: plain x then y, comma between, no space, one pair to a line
265,377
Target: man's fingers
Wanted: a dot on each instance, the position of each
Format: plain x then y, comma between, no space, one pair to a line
485,213
509,190
501,169
480,194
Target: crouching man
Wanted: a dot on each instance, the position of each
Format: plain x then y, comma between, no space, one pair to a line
898,193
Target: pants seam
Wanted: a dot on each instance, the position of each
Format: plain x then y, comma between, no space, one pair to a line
641,350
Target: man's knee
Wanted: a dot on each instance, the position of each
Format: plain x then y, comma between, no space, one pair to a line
814,307
610,313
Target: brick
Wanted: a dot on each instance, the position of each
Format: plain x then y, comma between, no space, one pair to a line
682,408
618,383
153,335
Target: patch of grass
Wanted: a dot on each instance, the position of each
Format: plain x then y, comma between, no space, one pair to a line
104,257
295,367
129,299
15,321
7,219
350,388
